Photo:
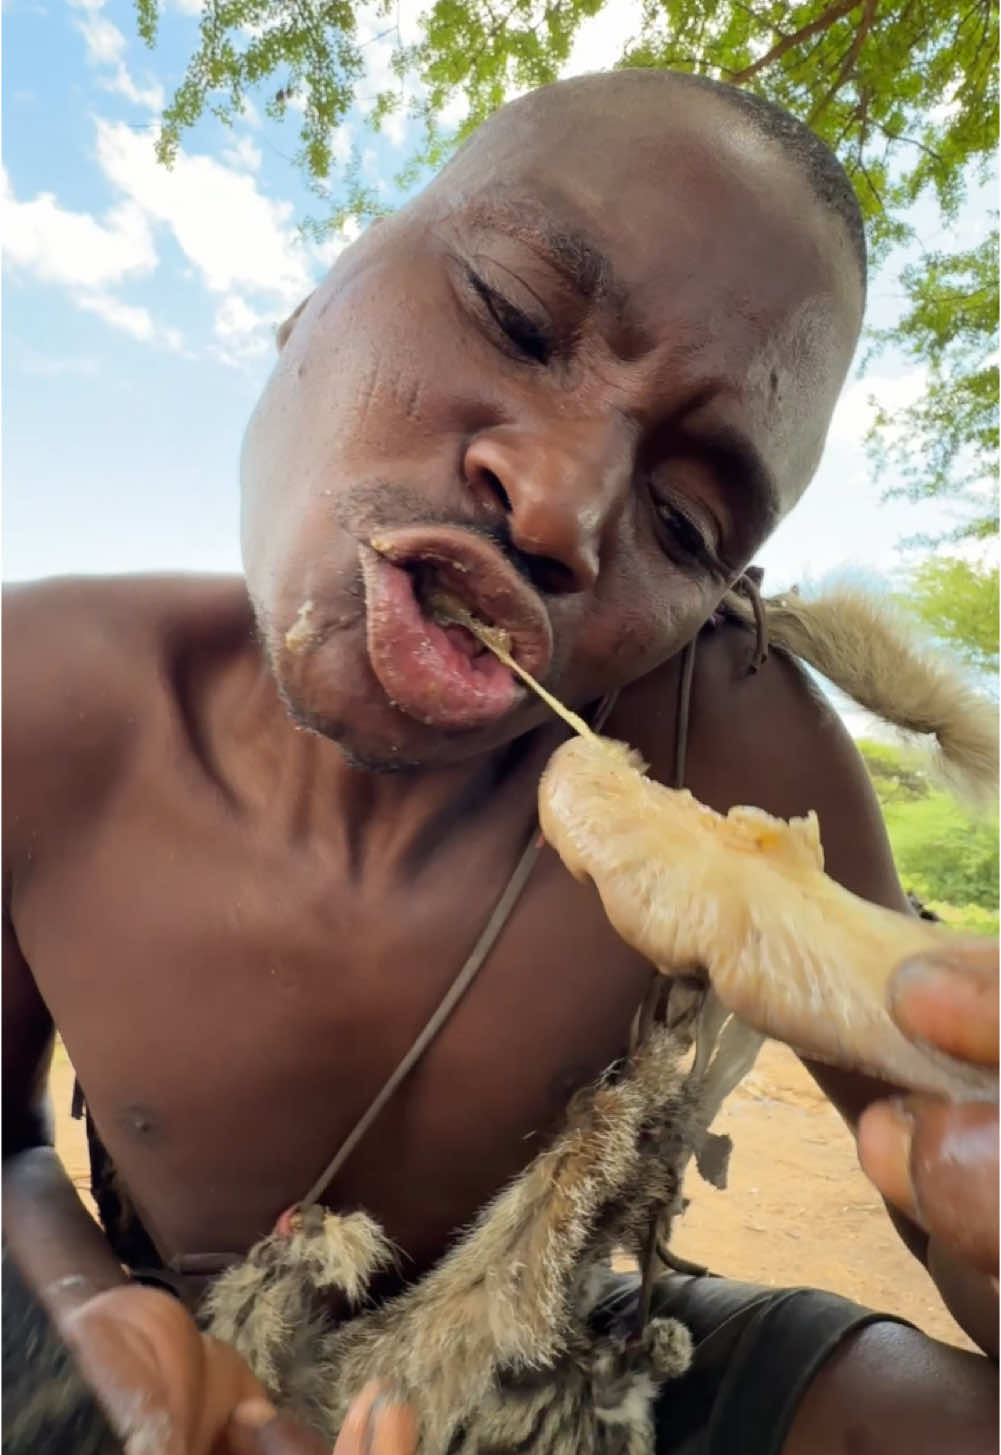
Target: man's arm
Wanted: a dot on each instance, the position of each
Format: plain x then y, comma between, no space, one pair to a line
63,706
55,1242
73,692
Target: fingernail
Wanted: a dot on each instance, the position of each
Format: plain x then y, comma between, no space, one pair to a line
356,1422
885,1134
924,976
372,1422
924,970
390,1427
254,1414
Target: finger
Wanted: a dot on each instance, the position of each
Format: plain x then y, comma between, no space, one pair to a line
256,1428
951,1002
351,1440
954,1171
375,1425
394,1432
938,1163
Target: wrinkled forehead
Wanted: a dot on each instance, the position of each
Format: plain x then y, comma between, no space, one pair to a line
665,192
703,239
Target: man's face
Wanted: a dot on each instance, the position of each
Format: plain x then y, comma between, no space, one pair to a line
573,387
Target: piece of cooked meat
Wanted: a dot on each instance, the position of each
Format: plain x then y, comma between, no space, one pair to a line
744,897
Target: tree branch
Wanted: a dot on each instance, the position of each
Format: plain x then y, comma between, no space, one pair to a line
909,140
823,21
848,64
870,183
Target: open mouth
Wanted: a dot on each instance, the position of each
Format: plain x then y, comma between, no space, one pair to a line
418,580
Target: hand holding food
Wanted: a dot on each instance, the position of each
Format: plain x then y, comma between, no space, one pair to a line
938,1161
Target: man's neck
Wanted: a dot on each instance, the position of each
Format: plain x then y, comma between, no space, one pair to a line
386,823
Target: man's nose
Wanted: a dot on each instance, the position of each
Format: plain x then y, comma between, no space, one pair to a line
557,495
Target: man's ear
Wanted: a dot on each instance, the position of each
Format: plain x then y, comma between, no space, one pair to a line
284,330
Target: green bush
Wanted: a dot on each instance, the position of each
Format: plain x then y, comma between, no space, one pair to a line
971,918
946,854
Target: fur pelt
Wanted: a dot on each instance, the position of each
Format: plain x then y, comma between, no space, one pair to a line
858,641
497,1348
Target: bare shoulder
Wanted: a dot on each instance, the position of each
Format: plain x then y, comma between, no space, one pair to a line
770,738
86,662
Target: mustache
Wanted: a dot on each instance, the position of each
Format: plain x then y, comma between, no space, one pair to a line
385,504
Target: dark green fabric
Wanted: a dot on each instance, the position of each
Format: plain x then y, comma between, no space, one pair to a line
757,1350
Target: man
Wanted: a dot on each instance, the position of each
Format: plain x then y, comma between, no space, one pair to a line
576,383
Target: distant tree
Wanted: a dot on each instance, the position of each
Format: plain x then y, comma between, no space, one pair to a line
946,443
958,601
897,774
943,852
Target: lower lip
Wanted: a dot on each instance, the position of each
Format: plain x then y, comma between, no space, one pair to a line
418,664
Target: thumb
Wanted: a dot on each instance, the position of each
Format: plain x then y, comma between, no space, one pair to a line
950,1000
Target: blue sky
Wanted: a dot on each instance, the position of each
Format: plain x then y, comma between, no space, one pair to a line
139,306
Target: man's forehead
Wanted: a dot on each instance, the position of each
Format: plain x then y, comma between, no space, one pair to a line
607,215
581,135
651,247
547,224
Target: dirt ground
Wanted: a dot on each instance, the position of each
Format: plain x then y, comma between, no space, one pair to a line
797,1210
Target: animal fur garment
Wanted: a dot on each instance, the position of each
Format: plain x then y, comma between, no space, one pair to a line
496,1347
859,643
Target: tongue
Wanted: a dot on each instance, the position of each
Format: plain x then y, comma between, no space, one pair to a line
428,671
462,640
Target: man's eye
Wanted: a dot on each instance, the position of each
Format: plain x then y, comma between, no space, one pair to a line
526,335
686,538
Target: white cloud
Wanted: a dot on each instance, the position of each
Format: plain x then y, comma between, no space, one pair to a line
857,406
599,42
242,332
341,145
394,126
105,42
120,81
235,318
75,249
454,112
86,256
245,155
378,31
106,51
249,113
329,250
232,234
127,317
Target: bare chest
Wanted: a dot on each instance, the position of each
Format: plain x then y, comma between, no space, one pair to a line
232,1006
